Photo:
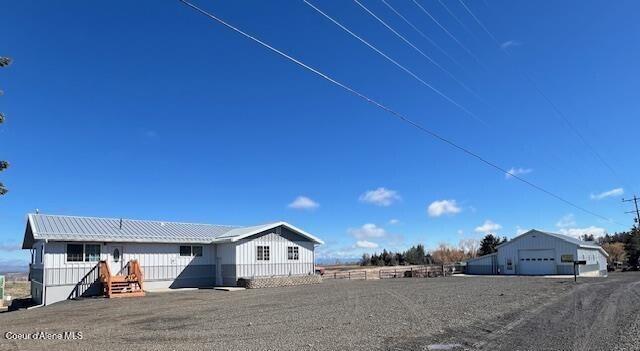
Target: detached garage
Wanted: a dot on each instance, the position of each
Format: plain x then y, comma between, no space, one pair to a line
542,253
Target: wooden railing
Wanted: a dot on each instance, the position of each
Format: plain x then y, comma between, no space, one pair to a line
121,285
105,277
135,273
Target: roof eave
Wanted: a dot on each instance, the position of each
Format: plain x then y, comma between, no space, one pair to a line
271,226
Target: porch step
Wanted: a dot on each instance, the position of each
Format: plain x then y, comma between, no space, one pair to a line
128,294
120,285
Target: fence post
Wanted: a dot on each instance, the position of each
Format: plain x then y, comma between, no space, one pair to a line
395,274
444,274
365,275
349,275
334,275
379,274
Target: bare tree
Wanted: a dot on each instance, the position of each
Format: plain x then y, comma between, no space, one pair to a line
470,247
448,254
616,252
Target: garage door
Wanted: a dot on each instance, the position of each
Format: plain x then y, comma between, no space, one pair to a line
537,262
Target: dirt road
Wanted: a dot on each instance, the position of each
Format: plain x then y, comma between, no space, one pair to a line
596,315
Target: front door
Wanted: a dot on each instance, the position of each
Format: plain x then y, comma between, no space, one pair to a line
116,263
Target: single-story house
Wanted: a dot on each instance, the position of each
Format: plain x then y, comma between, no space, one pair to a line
542,253
66,250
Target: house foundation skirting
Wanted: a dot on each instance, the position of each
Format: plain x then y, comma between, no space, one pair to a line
272,282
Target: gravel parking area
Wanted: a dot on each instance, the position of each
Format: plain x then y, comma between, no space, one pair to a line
401,313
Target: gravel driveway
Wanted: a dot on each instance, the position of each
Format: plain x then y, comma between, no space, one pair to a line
395,314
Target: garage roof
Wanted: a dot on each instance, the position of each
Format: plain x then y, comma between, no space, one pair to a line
572,240
76,228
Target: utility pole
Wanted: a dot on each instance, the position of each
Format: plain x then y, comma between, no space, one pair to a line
637,211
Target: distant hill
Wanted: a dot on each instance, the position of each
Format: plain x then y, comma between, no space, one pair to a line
342,260
13,266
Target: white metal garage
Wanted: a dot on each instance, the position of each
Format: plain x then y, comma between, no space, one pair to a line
542,253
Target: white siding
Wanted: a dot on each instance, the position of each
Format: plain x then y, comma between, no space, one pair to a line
536,241
278,263
596,262
158,261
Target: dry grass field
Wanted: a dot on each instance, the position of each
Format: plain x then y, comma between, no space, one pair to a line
372,271
17,289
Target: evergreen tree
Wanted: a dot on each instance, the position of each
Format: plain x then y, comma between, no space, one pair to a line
489,243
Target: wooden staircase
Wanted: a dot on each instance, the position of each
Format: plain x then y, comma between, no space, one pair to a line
121,285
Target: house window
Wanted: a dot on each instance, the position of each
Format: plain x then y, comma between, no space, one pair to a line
185,250
92,252
292,253
263,253
82,253
74,253
188,251
197,251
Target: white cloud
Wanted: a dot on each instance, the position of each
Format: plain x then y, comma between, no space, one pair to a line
510,43
394,221
520,230
578,232
566,221
380,197
364,244
443,207
304,203
368,230
516,172
488,227
460,232
610,193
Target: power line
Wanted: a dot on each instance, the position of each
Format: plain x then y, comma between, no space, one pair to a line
448,33
479,22
554,107
394,113
457,19
406,41
406,70
421,33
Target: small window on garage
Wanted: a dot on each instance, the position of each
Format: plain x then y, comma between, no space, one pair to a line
528,259
539,259
552,259
185,250
522,259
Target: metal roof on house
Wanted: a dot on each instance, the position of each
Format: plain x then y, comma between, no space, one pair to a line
75,228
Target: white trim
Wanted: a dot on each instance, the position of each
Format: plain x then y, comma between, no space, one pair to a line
269,227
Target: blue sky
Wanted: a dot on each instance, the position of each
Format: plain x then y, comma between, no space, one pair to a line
150,110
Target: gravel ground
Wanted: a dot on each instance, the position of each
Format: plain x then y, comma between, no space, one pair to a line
393,314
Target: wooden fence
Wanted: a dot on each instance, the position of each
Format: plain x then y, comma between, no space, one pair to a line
359,274
428,271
